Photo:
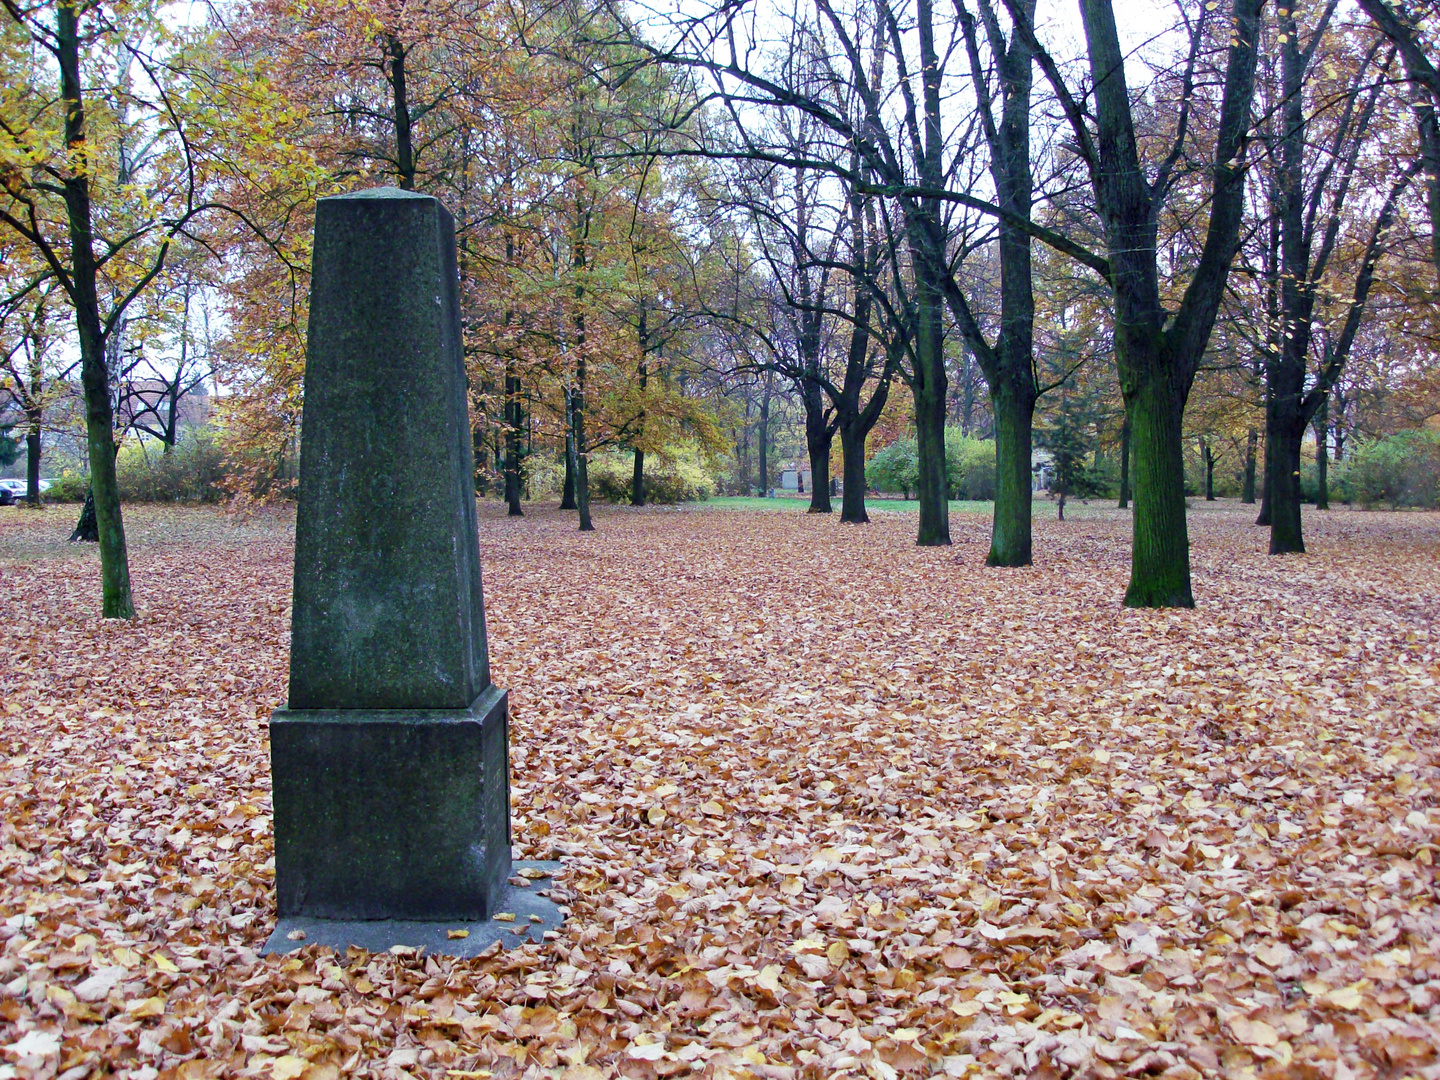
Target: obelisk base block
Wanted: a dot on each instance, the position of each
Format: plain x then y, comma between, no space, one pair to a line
526,915
392,814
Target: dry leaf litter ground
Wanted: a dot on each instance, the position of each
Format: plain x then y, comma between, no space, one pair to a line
829,804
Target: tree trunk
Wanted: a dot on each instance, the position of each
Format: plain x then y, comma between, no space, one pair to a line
582,465
116,602
33,417
567,497
1208,457
819,436
1322,456
514,430
932,487
1125,462
87,530
637,479
1263,518
764,439
1160,558
1060,508
404,146
1283,484
1010,535
852,498
1247,492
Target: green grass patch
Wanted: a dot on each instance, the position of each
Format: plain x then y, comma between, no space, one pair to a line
1041,509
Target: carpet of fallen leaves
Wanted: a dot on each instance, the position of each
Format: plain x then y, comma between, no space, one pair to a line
830,805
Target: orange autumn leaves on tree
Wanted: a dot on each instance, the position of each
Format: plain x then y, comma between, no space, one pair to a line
571,263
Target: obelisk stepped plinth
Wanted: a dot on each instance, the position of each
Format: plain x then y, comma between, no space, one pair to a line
390,761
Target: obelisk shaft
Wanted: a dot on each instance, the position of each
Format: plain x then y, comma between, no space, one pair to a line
388,612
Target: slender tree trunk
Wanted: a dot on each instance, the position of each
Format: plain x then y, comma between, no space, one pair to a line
1247,492
1125,462
1207,456
94,377
1160,559
1010,536
1264,517
567,497
582,469
514,432
33,418
404,146
764,449
1060,508
929,256
1322,456
637,479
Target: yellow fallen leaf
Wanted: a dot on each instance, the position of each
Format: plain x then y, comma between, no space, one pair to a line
143,1007
288,1067
769,978
665,790
1252,1032
1343,997
164,963
967,1008
712,808
1114,960
656,815
1272,954
456,935
505,916
838,952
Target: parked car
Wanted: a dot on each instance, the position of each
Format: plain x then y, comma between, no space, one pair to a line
16,489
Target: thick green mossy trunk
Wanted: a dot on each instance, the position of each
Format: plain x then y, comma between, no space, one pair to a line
1160,559
1010,533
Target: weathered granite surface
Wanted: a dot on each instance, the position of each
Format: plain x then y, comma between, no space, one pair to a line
388,611
391,760
385,814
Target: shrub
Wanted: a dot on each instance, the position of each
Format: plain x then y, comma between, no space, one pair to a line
894,470
1402,470
193,472
71,487
969,466
669,478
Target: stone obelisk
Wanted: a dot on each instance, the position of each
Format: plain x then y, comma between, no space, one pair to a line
390,759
